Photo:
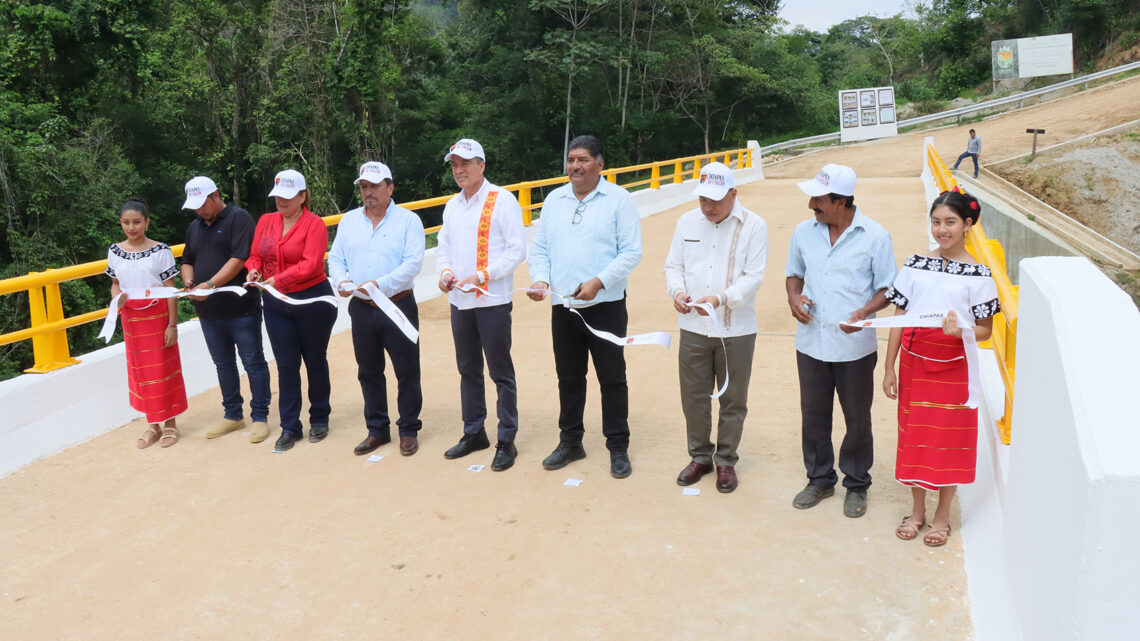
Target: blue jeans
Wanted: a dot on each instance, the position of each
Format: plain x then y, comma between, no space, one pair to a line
301,333
244,332
971,156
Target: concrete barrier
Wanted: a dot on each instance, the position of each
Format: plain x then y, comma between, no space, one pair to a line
44,414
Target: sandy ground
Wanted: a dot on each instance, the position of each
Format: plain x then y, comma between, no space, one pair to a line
224,540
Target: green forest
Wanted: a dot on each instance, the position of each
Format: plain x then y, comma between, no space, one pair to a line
104,99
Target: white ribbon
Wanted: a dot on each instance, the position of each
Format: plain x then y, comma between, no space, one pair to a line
934,319
714,327
272,291
386,305
154,293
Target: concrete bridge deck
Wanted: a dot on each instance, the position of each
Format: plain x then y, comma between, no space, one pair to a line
224,540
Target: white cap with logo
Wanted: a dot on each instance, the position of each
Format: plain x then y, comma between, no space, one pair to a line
373,172
832,179
287,184
465,148
716,181
198,189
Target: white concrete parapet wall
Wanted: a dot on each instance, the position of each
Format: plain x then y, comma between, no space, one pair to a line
43,414
1073,486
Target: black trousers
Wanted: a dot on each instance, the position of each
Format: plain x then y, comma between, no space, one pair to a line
301,333
855,383
373,333
479,332
573,343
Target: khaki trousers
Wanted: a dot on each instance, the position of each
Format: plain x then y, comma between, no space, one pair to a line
701,364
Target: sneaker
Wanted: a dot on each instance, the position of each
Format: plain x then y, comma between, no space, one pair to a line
811,495
260,432
225,426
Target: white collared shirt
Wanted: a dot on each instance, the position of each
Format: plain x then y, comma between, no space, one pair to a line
459,238
698,265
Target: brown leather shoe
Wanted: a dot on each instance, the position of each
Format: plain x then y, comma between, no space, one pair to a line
725,478
370,443
693,473
409,445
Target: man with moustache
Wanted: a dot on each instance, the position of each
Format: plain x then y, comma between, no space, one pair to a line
481,243
383,244
217,246
717,257
587,242
840,265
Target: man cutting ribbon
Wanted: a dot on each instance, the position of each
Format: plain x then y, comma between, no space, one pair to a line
587,242
717,258
481,243
382,245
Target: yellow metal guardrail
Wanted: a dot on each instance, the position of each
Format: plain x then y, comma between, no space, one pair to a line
49,326
990,253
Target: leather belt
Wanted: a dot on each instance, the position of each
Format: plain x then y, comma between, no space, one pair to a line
395,297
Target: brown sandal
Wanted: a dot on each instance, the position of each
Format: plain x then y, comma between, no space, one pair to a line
908,526
937,536
148,437
169,436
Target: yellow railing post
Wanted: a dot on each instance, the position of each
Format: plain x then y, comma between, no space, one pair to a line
697,169
50,350
678,169
748,159
727,160
655,177
524,202
612,178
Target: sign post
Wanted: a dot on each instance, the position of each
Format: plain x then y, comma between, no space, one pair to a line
1034,132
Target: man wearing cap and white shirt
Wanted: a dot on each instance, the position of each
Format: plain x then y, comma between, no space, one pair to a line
383,244
217,246
717,257
481,243
840,265
587,242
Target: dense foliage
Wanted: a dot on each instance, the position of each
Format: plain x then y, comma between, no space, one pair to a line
100,99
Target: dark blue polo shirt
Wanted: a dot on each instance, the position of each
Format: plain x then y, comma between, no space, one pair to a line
208,247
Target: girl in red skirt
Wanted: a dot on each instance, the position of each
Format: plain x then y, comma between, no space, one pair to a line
938,434
150,326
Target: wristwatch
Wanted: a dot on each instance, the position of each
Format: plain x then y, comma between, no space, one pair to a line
210,283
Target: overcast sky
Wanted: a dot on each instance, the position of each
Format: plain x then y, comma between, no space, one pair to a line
820,15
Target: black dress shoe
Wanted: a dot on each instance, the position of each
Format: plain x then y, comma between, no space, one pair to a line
317,433
409,445
286,441
468,444
505,453
370,443
563,455
619,465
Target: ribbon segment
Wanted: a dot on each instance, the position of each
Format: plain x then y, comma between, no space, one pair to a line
154,293
934,319
714,327
386,305
272,291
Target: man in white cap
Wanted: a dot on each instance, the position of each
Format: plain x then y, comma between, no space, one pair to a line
481,243
717,257
383,244
840,265
217,245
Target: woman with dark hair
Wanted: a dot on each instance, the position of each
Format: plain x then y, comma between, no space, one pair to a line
938,433
150,326
288,254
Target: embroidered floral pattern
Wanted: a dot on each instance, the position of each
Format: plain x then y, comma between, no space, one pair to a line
930,264
126,255
986,310
484,238
896,297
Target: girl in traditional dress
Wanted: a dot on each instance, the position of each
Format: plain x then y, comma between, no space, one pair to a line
938,434
288,253
150,326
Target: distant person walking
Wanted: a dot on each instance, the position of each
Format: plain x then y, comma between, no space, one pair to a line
217,244
840,264
481,243
973,150
938,434
288,253
150,326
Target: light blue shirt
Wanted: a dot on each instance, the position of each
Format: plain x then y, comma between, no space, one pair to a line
839,279
390,254
604,243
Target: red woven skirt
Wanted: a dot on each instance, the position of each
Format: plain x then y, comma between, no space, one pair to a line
938,437
154,372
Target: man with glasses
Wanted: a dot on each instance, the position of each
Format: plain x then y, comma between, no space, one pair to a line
587,242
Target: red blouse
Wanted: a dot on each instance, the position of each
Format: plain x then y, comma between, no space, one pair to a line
295,261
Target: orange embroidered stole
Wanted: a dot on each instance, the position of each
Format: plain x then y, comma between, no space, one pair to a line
484,239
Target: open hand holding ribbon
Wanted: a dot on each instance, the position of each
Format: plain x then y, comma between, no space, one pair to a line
153,293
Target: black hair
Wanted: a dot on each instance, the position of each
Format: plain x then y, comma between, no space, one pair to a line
591,144
964,205
848,201
135,203
973,132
